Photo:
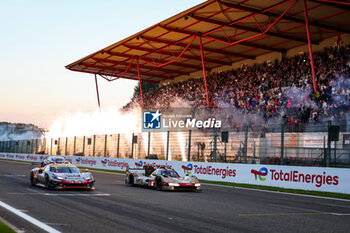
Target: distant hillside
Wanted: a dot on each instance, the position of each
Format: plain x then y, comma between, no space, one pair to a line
19,131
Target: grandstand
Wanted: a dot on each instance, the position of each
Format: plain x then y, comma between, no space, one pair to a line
279,68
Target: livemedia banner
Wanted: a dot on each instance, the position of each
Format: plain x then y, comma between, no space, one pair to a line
306,178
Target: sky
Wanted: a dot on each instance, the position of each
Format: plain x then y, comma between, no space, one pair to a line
39,38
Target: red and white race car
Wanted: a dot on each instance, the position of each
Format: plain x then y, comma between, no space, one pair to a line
61,176
161,178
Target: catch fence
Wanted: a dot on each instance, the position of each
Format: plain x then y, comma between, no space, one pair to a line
273,144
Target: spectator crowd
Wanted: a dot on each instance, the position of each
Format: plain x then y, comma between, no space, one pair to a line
275,89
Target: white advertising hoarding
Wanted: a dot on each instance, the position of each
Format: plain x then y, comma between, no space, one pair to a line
306,178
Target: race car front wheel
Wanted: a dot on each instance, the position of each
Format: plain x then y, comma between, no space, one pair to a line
159,184
48,184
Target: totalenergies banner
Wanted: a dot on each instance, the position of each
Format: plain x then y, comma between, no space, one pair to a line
307,178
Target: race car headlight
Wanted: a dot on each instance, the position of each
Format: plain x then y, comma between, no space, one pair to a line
197,185
173,184
57,177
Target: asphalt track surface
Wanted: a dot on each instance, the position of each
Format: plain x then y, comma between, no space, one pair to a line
116,207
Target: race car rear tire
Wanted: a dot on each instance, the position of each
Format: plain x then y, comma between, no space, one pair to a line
159,185
131,179
32,182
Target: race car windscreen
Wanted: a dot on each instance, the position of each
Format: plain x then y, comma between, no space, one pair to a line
59,160
170,174
64,170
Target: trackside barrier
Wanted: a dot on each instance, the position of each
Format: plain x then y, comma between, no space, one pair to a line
307,178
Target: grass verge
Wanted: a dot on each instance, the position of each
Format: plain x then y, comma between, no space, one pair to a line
5,229
102,170
278,189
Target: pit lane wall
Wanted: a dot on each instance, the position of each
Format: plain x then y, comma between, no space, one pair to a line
306,178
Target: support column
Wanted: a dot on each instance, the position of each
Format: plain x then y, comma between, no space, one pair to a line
74,145
189,146
50,146
132,146
138,73
84,146
58,146
282,144
66,147
204,72
105,151
93,146
118,145
149,144
167,145
98,95
310,48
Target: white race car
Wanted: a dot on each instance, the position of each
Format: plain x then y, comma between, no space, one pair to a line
161,178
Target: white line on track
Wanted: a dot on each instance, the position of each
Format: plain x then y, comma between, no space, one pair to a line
29,218
341,214
10,175
71,194
270,191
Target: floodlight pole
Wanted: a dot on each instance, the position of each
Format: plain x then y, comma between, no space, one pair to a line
138,73
98,95
310,48
204,73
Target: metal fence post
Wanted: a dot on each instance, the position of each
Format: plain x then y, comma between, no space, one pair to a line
245,147
105,151
282,143
58,147
132,146
225,152
118,145
93,145
84,146
254,152
198,152
329,145
215,145
167,145
50,146
32,146
74,144
189,146
335,153
324,152
149,143
66,147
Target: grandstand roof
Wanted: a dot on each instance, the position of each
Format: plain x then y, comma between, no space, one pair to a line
230,31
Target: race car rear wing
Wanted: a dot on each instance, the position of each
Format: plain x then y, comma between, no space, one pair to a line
146,169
